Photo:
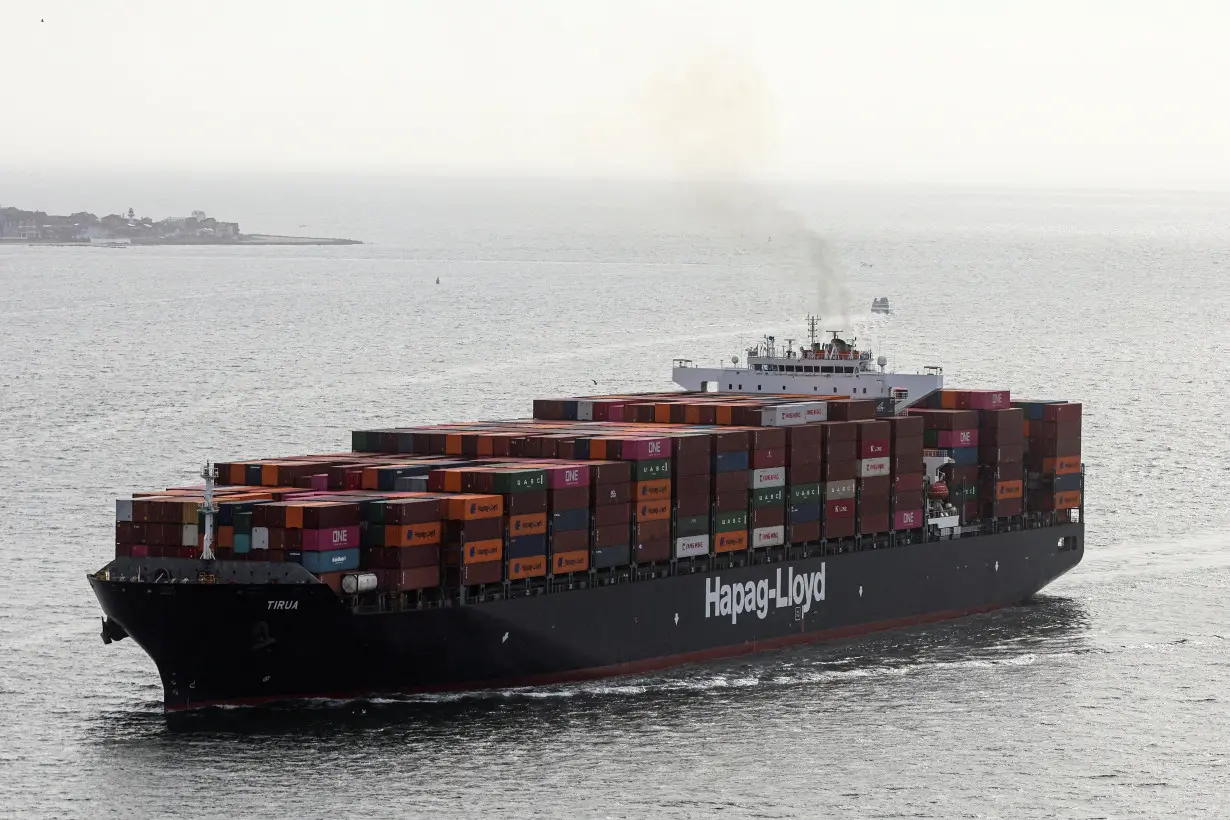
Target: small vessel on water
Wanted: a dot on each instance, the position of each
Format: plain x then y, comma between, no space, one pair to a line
880,305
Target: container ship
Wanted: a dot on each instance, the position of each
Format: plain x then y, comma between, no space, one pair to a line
798,495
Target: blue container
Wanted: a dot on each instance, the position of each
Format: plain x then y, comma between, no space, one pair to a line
607,557
729,462
580,448
964,456
804,512
563,520
1066,483
243,543
330,560
527,546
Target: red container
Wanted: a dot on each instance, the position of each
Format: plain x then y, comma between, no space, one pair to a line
568,475
729,502
838,470
873,448
837,527
871,506
768,458
486,572
331,516
403,580
912,446
947,419
767,517
767,438
479,529
652,531
611,514
1055,448
688,506
870,524
1003,508
731,441
337,538
910,500
612,536
735,481
952,439
409,511
571,498
804,455
876,485
803,533
910,519
839,508
691,466
839,431
1068,411
569,540
1011,418
139,551
957,475
983,399
874,430
804,436
1007,453
692,485
839,450
804,474
1001,436
906,464
525,503
602,473
906,427
608,494
651,551
641,449
852,410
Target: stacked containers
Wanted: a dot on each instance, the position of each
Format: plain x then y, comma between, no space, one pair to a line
838,474
767,487
731,462
650,461
1052,454
906,473
323,536
611,501
568,518
473,539
409,535
692,484
1000,455
874,487
523,491
954,433
804,505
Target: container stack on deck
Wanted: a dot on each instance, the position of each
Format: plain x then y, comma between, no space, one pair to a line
602,484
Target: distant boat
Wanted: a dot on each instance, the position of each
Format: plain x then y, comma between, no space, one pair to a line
880,305
437,280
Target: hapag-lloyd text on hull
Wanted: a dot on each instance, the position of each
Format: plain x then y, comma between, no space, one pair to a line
754,596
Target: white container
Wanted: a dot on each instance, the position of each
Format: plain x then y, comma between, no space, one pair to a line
691,546
362,582
123,509
585,410
768,477
816,411
869,467
783,415
260,538
768,537
836,490
188,538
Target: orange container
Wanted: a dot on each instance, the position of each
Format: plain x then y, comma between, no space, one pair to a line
451,480
413,535
476,552
1067,465
652,490
662,413
575,561
731,541
486,446
724,413
452,444
654,510
1067,501
533,567
473,507
1009,489
691,414
529,524
269,475
371,478
597,448
226,536
237,474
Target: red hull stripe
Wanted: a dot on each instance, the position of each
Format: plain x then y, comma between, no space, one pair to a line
618,669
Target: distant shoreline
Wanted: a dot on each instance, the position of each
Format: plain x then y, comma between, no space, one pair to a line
245,239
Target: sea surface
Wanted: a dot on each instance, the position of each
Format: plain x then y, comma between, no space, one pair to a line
124,369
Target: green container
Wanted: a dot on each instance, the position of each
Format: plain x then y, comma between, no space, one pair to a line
733,521
692,525
768,497
374,513
242,522
802,493
651,470
960,493
520,481
243,543
372,536
358,441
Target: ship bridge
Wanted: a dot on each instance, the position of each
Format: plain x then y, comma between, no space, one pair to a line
831,368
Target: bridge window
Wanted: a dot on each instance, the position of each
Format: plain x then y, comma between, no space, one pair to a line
730,387
828,368
757,367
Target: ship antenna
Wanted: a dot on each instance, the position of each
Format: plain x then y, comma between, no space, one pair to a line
811,329
209,473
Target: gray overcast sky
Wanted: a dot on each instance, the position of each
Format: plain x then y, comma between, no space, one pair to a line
1114,94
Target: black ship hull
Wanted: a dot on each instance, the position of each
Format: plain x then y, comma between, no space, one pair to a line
257,641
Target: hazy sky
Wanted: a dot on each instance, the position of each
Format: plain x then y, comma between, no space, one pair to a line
1071,93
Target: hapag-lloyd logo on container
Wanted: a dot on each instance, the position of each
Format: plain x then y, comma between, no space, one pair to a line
483,506
802,590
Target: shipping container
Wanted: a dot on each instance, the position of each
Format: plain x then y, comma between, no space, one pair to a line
692,546
563,563
767,497
845,488
768,537
769,477
613,556
908,519
803,493
839,508
803,532
653,510
403,580
869,467
730,541
330,560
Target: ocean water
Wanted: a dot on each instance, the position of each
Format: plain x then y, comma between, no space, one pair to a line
123,369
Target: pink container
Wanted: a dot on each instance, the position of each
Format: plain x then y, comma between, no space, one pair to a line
952,439
638,449
320,483
568,475
873,448
988,399
338,538
907,519
615,413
